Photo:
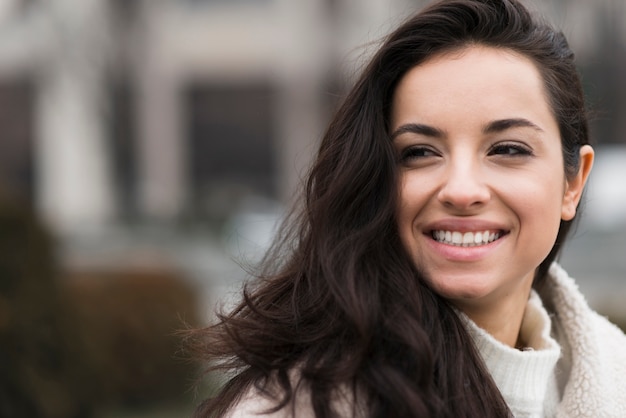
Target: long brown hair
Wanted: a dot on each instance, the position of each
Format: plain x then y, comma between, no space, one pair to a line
339,300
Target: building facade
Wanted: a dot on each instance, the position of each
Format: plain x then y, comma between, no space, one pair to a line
118,112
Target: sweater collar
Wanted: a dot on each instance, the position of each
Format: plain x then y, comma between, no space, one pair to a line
525,378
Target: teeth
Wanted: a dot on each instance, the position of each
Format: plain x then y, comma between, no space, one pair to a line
467,239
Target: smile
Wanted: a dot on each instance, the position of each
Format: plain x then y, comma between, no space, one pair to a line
466,239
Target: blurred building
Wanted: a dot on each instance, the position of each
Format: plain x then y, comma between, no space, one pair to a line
173,131
117,111
158,110
169,133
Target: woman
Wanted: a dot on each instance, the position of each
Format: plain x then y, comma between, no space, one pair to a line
418,280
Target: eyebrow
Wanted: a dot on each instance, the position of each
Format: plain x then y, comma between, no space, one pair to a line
505,124
418,128
493,127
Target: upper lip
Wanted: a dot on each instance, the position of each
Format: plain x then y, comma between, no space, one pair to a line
464,225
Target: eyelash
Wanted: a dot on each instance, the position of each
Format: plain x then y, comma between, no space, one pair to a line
416,152
510,150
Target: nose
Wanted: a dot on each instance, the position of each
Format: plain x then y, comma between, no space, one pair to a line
464,186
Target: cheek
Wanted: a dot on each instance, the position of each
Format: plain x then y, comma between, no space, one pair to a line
412,199
538,205
403,211
406,201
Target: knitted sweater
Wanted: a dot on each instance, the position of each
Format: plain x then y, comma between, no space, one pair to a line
527,378
588,380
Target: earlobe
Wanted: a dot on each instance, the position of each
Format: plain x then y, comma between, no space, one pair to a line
574,187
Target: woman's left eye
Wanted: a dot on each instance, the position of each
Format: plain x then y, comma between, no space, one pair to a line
510,150
417,152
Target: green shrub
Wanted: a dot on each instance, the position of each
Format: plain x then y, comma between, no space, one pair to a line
72,343
39,375
128,321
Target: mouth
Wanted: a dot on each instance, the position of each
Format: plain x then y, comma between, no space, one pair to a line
468,238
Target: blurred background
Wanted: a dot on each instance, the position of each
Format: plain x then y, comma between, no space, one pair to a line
149,147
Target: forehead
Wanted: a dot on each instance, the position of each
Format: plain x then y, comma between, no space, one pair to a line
475,65
494,82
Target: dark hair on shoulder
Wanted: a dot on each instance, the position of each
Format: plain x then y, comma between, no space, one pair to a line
344,306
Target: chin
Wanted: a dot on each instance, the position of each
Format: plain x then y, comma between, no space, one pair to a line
462,291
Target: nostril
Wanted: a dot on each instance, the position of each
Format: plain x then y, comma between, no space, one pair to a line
463,194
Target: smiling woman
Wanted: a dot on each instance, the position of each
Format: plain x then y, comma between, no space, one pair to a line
485,160
419,278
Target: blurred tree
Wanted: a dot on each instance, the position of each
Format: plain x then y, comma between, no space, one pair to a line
129,320
40,375
73,343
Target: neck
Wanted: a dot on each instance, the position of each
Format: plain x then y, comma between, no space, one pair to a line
501,315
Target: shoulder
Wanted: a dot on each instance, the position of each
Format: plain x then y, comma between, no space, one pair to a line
596,356
585,328
570,307
255,402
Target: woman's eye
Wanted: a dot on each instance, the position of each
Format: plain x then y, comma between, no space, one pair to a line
511,150
417,152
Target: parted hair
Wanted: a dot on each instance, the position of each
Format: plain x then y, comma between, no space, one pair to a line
338,299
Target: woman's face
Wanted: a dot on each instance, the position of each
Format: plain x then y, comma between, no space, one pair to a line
482,188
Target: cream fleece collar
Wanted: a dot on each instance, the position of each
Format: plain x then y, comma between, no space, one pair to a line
593,366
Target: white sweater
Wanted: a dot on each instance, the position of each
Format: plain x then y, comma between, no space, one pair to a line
577,368
526,379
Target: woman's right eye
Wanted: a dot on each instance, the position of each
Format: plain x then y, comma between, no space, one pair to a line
417,152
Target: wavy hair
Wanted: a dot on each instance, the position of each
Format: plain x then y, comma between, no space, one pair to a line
340,301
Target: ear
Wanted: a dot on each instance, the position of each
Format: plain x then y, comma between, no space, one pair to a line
574,186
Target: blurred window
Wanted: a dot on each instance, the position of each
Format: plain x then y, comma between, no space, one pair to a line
123,141
125,8
232,152
16,138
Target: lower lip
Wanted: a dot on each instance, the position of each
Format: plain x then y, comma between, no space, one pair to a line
464,254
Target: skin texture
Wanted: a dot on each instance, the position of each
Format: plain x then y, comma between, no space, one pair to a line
479,150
